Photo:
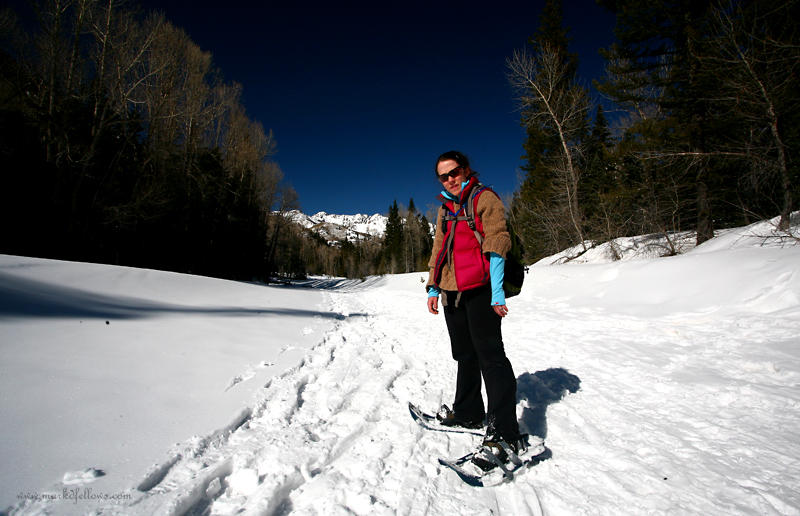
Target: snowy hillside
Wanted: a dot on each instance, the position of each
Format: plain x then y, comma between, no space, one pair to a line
759,234
661,386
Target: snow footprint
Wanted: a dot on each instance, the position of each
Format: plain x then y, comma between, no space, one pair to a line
247,375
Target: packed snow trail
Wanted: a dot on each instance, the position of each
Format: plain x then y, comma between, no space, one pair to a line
333,435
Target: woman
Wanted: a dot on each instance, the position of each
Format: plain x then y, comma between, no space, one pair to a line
468,275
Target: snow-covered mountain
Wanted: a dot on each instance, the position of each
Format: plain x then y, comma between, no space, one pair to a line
336,228
342,227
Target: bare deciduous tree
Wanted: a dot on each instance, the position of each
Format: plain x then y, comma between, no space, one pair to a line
549,100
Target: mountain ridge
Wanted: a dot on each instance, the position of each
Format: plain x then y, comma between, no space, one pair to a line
336,227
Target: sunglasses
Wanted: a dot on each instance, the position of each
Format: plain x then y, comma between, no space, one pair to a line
452,173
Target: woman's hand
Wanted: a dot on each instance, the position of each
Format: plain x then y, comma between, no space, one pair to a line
501,310
433,305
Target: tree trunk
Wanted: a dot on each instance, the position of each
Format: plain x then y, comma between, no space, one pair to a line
705,224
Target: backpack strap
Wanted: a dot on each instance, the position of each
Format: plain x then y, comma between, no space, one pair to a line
449,216
469,209
469,213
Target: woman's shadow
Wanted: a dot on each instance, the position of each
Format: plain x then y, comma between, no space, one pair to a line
540,390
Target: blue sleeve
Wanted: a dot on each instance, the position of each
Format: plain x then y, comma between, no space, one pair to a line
496,271
433,291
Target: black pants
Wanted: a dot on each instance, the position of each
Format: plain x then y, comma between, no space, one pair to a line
477,345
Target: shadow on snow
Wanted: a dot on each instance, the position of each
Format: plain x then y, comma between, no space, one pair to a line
540,390
30,298
336,284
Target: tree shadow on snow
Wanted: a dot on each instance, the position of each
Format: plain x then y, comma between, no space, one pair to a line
21,297
540,390
337,284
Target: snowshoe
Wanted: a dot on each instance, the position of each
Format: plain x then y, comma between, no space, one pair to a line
447,417
487,466
432,422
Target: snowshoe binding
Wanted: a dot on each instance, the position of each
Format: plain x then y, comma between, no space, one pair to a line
496,452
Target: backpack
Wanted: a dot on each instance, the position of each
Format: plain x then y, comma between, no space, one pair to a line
514,270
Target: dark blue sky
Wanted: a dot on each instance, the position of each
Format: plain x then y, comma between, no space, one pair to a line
362,99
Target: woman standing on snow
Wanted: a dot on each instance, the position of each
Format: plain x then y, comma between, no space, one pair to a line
468,274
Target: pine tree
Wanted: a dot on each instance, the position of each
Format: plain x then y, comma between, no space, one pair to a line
655,73
599,185
417,242
596,173
393,241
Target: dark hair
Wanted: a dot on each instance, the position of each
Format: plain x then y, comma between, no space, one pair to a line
456,156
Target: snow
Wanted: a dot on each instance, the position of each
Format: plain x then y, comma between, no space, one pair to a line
660,385
107,367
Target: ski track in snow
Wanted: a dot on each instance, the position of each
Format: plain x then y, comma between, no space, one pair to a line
643,415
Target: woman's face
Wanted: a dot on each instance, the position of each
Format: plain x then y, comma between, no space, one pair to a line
451,175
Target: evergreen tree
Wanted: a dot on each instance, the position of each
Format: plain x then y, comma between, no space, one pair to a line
417,240
597,177
393,240
600,189
654,72
426,243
